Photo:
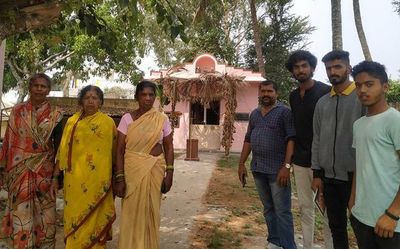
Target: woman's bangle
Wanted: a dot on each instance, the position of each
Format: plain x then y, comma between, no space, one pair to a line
170,167
120,175
121,179
391,216
119,172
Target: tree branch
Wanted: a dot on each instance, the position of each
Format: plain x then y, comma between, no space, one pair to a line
13,70
52,57
58,60
30,18
17,68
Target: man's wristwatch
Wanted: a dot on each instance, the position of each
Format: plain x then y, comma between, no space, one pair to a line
288,166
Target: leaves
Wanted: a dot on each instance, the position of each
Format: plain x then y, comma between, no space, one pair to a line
283,33
393,95
93,37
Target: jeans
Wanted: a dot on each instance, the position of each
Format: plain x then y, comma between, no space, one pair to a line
277,209
304,177
336,197
368,239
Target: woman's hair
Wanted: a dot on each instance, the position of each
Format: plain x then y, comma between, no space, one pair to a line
40,76
142,85
86,89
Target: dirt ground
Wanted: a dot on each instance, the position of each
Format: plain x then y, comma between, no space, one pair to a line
208,208
233,218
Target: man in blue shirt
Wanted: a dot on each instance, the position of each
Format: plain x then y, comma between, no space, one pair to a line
269,137
375,195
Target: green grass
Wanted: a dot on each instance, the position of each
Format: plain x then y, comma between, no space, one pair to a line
231,161
221,239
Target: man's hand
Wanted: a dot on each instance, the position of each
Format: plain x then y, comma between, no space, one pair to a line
283,176
385,226
317,185
242,173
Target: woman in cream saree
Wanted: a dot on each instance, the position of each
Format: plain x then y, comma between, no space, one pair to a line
85,155
144,164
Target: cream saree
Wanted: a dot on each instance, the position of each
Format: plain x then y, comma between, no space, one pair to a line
140,214
85,155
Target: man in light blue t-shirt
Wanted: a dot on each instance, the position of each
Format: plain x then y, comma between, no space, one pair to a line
375,196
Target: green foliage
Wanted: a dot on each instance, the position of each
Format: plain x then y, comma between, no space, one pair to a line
223,239
92,37
282,34
218,27
393,95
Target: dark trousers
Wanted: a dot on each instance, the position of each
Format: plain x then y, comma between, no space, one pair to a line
336,196
368,239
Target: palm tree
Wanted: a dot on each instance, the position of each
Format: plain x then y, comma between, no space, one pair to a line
360,30
336,17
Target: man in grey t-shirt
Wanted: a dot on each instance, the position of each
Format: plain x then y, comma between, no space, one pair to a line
333,158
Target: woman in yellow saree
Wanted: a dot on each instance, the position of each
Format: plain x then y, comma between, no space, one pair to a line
85,154
144,168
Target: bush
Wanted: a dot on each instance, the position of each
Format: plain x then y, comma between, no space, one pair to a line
393,95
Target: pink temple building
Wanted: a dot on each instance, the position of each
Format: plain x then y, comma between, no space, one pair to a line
205,122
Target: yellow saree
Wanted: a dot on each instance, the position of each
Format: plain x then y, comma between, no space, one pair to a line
144,173
85,155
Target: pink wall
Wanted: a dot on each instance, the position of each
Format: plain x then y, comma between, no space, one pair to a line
247,99
181,133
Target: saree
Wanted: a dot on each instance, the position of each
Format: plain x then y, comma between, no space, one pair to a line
27,158
144,173
86,155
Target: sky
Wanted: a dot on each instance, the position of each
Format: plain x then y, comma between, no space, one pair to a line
381,26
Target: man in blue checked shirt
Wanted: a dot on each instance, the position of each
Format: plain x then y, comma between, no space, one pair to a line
270,138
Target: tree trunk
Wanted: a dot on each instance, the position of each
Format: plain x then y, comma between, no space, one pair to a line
360,30
21,91
2,59
336,16
66,83
29,18
257,38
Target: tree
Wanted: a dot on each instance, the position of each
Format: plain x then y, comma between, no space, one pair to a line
360,30
282,34
257,38
23,16
336,17
117,92
219,27
105,35
393,95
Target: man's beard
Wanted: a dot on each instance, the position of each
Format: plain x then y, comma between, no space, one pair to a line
304,77
336,80
269,102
